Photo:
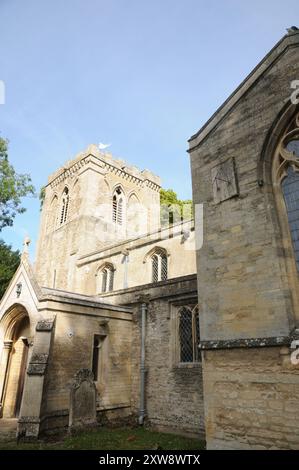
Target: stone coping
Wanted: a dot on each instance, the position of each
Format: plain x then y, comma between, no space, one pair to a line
153,285
105,160
287,41
246,343
134,243
79,299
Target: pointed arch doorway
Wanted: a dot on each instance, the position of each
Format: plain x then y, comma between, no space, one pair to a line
15,326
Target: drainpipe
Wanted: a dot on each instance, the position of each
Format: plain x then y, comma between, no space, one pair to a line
142,364
126,261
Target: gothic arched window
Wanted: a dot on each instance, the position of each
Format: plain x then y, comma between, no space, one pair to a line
285,175
188,334
52,215
159,265
64,206
290,189
118,206
106,279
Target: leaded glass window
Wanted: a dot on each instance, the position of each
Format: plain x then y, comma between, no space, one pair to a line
293,146
111,280
290,189
104,280
107,278
159,266
285,173
188,334
164,267
155,268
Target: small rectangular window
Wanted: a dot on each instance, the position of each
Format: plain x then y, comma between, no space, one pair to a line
188,334
97,357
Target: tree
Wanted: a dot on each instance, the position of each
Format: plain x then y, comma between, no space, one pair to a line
42,195
173,209
9,262
13,187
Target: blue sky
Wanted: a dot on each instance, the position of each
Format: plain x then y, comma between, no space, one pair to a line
143,75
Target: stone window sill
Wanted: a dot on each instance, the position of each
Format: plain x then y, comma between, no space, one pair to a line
187,365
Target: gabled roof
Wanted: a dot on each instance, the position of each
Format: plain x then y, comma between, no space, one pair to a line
23,290
24,270
289,40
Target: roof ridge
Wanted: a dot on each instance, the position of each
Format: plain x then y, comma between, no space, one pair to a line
238,92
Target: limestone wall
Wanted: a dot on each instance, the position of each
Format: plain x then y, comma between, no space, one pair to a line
245,287
251,399
138,271
241,264
174,400
73,350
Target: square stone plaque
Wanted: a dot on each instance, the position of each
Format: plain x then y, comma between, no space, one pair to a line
224,181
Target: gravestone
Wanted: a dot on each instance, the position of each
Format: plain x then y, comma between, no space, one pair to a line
83,400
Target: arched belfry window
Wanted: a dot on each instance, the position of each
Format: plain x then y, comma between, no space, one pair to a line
159,263
52,215
118,203
285,175
64,206
106,278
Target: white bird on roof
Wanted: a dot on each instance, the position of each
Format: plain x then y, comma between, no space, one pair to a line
103,146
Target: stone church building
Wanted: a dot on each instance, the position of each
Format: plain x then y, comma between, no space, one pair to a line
245,172
188,339
111,291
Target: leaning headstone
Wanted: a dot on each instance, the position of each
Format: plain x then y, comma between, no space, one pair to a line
83,400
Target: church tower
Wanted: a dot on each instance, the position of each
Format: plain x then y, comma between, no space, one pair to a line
94,201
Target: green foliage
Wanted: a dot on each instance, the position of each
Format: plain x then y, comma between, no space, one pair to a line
173,209
42,195
13,187
9,262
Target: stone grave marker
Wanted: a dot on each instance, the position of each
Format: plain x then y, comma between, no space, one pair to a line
83,400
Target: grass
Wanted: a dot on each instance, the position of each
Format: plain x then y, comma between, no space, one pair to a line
110,439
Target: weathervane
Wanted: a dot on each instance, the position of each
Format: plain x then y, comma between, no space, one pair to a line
103,146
